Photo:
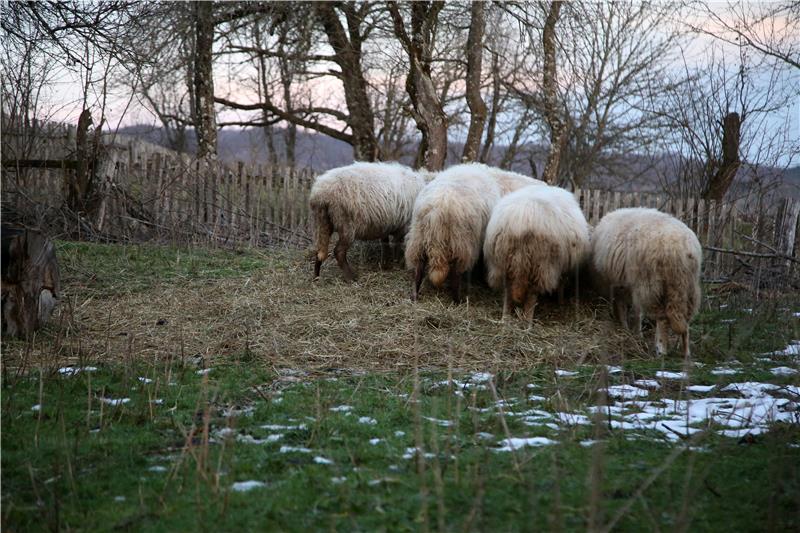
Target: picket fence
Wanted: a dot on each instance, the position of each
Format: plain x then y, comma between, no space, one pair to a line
151,192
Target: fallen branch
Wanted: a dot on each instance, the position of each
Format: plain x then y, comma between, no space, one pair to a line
751,254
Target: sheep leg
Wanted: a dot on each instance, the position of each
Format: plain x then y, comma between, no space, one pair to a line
637,320
419,274
620,307
386,254
397,247
685,344
530,304
317,266
455,285
662,337
508,304
340,252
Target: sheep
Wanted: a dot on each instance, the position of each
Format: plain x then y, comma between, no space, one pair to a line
511,181
650,261
448,225
535,236
362,201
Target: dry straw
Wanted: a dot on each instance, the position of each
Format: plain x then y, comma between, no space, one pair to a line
280,318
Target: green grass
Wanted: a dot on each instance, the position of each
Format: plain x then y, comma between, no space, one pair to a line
65,465
78,463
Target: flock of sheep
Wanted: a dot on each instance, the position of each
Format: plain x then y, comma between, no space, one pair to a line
531,237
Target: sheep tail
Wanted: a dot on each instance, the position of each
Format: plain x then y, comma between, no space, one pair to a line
439,269
324,230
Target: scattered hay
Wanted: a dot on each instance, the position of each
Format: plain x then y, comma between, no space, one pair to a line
279,318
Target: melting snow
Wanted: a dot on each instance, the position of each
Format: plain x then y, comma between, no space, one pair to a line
342,409
322,460
36,407
412,451
249,439
701,388
724,371
244,486
338,480
535,398
515,443
565,373
203,371
443,423
72,370
145,380
368,421
613,369
648,383
783,371
792,349
115,401
280,427
375,441
298,449
625,392
671,375
751,389
399,433
157,468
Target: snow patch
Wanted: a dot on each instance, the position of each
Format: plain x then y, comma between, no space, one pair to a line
565,373
368,421
663,374
244,486
783,371
515,443
625,392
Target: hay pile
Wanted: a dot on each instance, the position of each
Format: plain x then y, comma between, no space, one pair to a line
278,317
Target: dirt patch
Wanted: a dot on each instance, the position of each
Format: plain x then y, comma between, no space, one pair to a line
278,317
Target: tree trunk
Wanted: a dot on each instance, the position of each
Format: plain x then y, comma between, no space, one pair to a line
428,111
475,102
721,180
30,283
78,190
486,153
205,121
549,86
347,53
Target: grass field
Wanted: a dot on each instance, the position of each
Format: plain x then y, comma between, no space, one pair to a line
187,389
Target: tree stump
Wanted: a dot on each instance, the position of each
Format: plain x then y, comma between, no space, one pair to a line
31,285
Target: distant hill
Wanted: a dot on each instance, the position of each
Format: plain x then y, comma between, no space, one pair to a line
320,153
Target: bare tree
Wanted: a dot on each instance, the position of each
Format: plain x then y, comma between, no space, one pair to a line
549,88
477,107
203,112
429,113
772,29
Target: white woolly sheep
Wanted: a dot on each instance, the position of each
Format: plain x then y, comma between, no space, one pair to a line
534,237
362,201
511,181
448,225
650,261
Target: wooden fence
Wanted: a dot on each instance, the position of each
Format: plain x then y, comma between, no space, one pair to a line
148,191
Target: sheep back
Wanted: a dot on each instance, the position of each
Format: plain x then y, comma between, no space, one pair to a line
511,181
654,255
449,221
534,235
371,200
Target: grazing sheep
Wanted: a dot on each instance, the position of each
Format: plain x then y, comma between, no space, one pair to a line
511,181
448,225
534,237
362,201
651,261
